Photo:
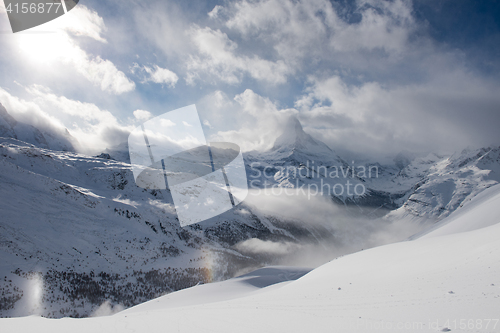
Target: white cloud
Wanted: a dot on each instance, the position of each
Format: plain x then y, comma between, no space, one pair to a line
163,24
60,46
103,73
345,233
217,57
214,13
81,21
166,123
142,115
260,122
94,128
161,75
430,116
207,123
384,25
369,119
304,33
30,113
272,40
257,246
107,309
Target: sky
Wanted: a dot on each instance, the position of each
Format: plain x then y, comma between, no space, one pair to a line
367,77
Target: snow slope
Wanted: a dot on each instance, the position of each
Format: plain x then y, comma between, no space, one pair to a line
467,218
447,282
259,280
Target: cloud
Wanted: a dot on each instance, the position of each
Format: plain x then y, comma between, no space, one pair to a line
142,115
164,25
60,46
311,32
369,119
260,121
214,13
257,246
162,75
273,41
365,76
337,231
217,57
107,309
156,74
207,124
166,123
31,113
94,128
83,21
431,116
103,73
383,25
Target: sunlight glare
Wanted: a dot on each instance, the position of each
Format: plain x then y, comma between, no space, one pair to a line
46,48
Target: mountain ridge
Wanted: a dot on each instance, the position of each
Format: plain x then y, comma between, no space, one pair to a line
10,127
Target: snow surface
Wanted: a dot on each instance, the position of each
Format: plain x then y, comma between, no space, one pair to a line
448,280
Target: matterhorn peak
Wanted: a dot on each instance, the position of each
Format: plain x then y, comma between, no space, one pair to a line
296,144
293,137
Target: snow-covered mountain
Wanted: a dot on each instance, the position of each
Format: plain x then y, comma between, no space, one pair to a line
435,186
83,224
78,232
424,285
10,127
295,145
299,161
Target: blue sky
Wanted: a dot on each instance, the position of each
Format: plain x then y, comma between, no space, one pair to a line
371,77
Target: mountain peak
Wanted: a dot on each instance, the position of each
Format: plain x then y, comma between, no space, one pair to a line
294,138
296,144
7,123
49,138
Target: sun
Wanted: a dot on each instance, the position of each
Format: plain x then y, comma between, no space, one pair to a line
46,47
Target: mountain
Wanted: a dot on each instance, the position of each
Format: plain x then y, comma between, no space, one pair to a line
435,186
119,152
295,144
416,187
298,161
11,128
76,230
425,285
81,226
